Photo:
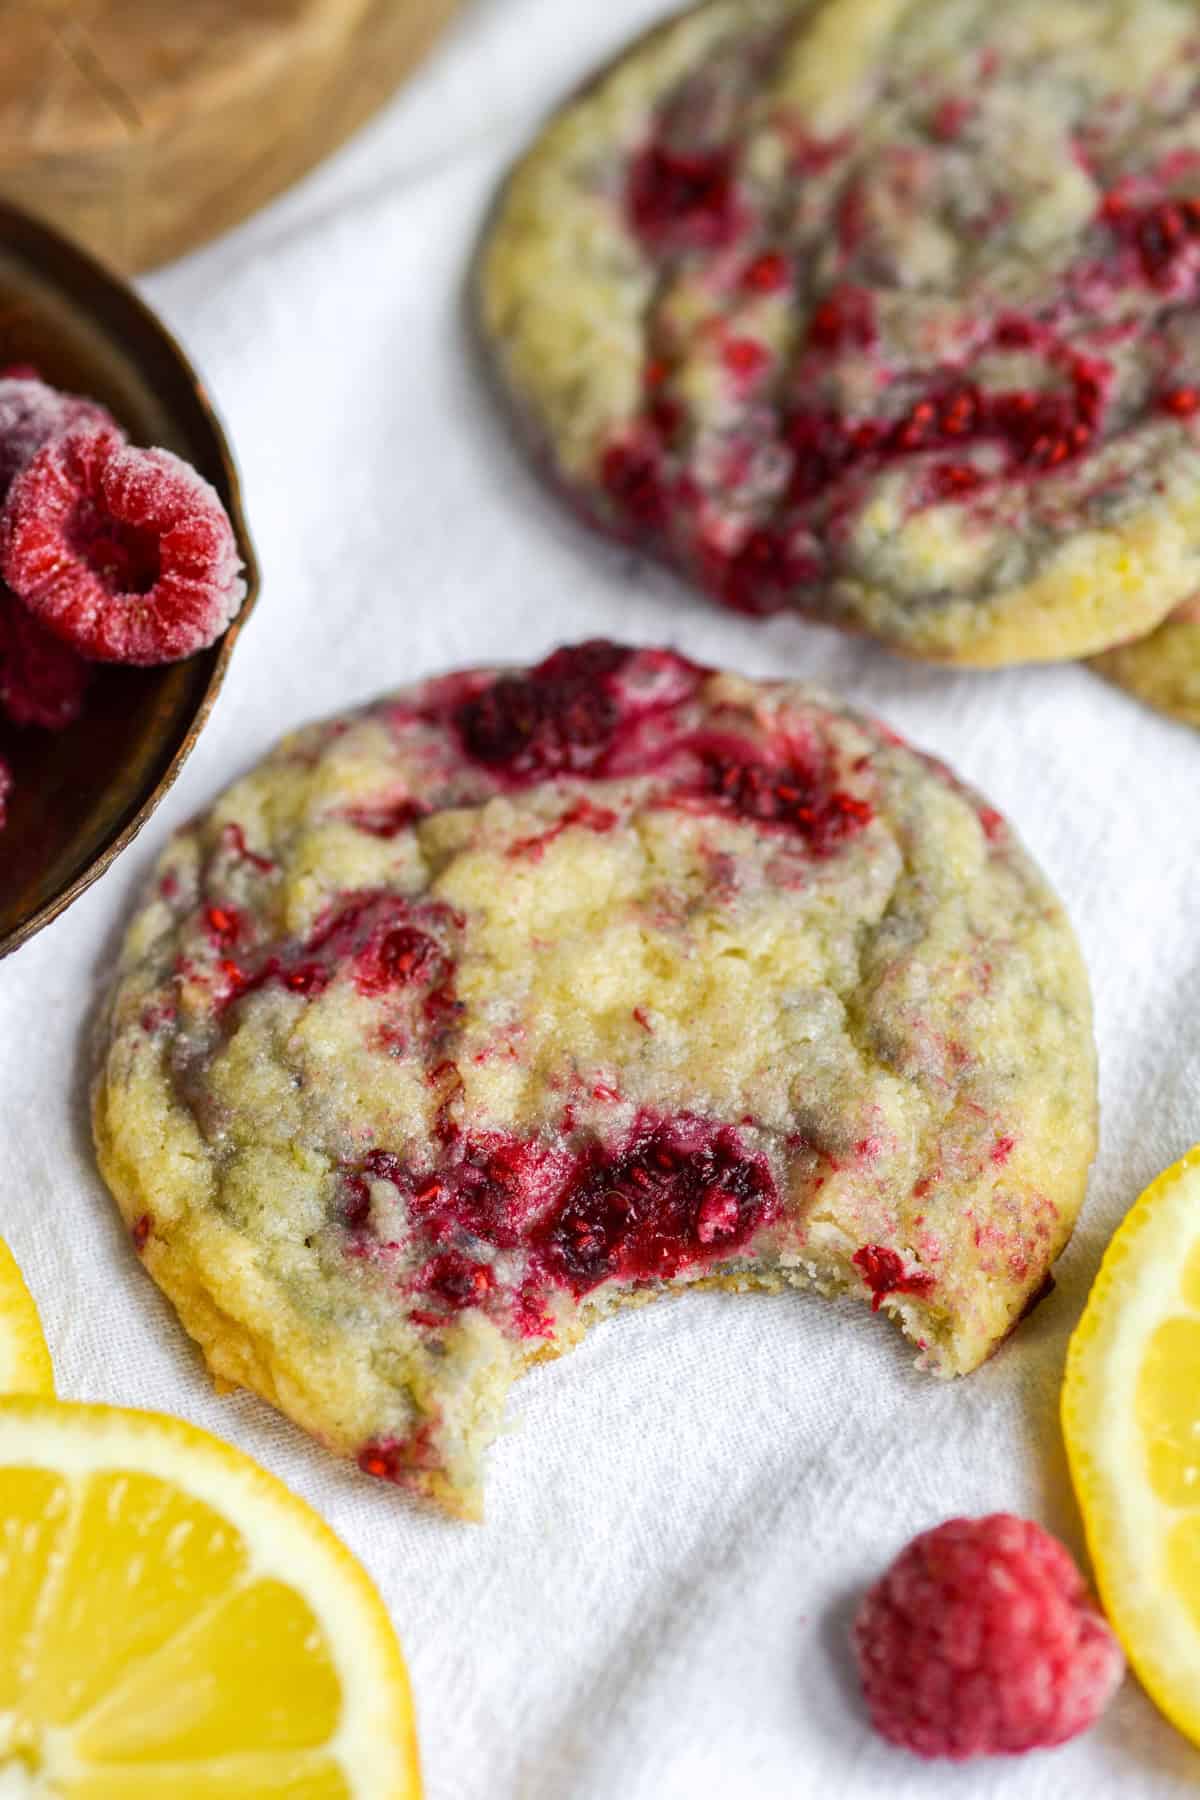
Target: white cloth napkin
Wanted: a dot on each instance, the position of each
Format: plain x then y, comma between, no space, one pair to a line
687,1506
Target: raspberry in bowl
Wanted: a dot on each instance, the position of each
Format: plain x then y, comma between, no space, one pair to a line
127,570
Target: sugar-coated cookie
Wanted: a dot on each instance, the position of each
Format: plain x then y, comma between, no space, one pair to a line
522,994
883,311
1164,668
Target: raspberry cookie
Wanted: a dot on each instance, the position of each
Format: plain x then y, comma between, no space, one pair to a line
1163,669
882,312
521,995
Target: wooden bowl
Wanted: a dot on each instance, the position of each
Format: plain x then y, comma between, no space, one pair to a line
81,795
143,127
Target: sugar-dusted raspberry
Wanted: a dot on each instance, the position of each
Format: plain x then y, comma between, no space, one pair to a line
982,1639
42,682
33,414
125,554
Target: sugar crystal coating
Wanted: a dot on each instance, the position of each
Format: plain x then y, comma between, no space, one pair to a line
32,414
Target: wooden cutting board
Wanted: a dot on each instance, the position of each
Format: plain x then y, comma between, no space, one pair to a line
142,127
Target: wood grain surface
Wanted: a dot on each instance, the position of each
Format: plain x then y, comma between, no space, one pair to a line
143,127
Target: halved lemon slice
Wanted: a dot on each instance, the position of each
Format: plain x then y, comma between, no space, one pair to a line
24,1359
173,1621
1131,1419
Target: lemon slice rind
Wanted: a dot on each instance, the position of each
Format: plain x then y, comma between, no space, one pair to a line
374,1745
25,1366
1126,1523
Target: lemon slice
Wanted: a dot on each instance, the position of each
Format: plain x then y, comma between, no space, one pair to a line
174,1622
24,1359
1131,1418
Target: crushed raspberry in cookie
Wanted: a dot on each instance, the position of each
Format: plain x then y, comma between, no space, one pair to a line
884,1273
395,1459
42,681
368,935
676,1194
386,818
981,1639
456,1280
33,414
793,795
125,554
559,718
682,199
631,472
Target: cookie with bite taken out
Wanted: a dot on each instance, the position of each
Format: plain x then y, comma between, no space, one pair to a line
522,995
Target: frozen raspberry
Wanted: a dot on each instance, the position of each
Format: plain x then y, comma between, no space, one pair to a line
125,554
33,414
42,682
982,1639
